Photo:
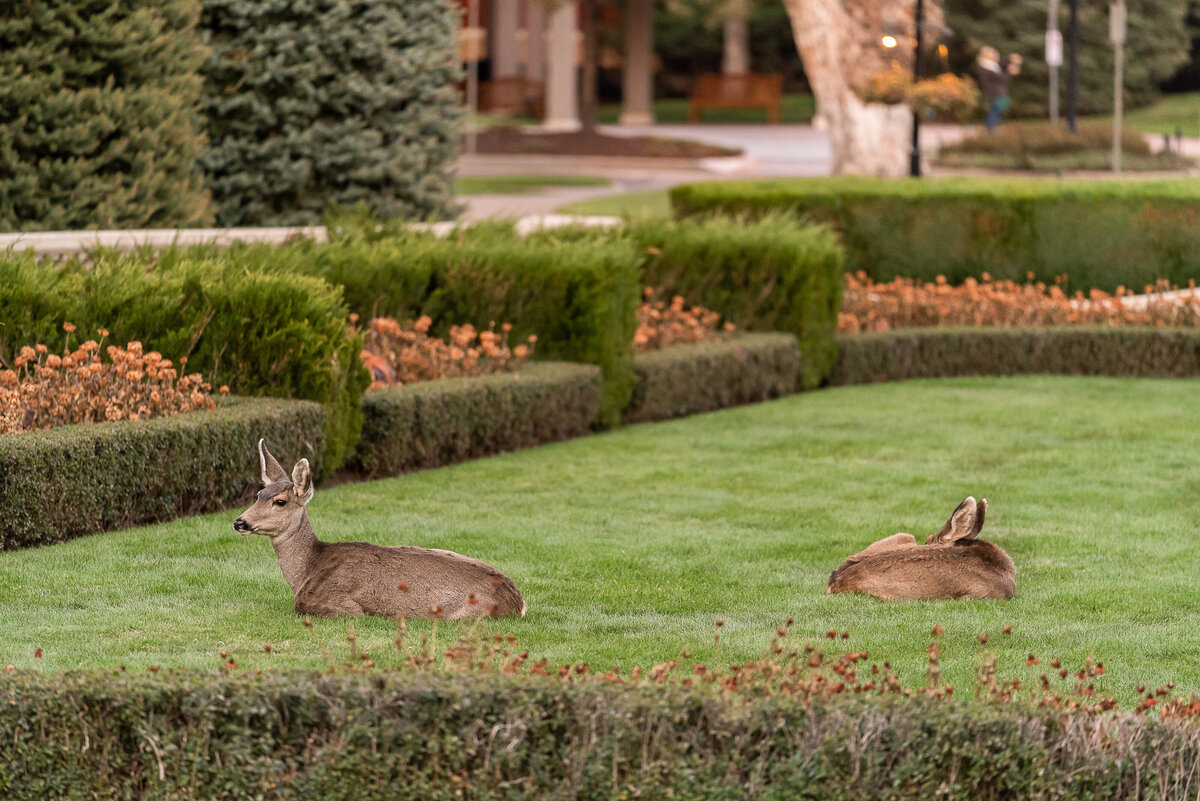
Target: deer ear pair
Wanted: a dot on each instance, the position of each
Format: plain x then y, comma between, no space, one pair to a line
965,523
272,471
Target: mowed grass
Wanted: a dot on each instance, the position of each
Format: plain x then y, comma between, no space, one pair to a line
651,203
629,546
521,184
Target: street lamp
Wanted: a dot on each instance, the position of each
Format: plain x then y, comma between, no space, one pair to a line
914,164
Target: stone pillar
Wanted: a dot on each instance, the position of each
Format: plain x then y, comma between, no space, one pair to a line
637,80
562,83
504,38
535,47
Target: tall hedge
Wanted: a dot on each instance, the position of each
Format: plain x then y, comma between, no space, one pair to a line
308,103
579,299
98,103
260,331
388,736
1101,234
82,479
770,274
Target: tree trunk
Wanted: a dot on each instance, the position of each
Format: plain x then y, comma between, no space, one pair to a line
840,44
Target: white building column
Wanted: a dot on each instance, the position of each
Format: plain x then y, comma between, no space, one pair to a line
736,58
637,78
535,42
504,38
562,82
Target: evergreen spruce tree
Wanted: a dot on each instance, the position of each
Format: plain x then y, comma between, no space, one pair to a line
97,115
311,103
1157,45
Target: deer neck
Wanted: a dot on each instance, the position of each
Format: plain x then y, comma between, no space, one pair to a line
294,551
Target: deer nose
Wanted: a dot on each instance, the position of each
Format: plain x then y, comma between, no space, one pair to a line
240,525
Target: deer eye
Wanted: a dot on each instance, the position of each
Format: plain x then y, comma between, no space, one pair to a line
280,502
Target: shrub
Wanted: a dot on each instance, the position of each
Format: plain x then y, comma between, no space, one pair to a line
259,331
704,377
354,736
314,102
435,423
579,299
406,354
904,303
74,480
78,387
771,274
1103,234
97,115
945,352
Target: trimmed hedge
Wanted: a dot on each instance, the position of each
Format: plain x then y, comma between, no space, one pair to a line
689,379
1101,234
578,298
309,103
434,423
67,482
770,274
258,330
415,736
1069,350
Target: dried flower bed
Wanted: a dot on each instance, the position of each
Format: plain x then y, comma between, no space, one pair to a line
909,303
47,390
661,325
406,354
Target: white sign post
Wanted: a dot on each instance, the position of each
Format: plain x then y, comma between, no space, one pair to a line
1054,56
1116,35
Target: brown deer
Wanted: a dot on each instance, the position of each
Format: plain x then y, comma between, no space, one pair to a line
358,578
951,564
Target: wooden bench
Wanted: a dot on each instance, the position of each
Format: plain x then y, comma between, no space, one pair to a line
744,90
512,96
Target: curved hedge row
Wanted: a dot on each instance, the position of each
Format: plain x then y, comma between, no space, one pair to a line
415,736
689,379
82,479
1069,350
434,423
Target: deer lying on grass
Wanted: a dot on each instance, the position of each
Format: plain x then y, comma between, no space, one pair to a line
951,564
358,578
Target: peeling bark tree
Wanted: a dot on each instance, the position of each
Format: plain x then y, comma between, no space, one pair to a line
840,44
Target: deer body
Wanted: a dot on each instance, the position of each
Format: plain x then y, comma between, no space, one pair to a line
360,578
951,564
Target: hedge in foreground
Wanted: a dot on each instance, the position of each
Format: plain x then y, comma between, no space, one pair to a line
257,330
435,423
1101,234
82,479
415,736
1067,350
770,274
689,379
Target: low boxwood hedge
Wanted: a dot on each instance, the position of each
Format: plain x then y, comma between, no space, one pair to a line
1101,234
1068,350
435,423
689,379
414,736
82,479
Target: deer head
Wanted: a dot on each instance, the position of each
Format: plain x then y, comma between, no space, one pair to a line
282,502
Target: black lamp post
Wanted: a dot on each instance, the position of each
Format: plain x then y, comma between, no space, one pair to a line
914,164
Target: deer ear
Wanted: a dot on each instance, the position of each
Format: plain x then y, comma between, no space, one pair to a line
271,470
961,524
980,511
302,479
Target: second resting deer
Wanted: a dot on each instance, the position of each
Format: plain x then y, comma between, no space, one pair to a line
359,578
952,563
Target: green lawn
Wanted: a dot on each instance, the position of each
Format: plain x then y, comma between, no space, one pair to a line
654,203
630,545
520,184
1180,111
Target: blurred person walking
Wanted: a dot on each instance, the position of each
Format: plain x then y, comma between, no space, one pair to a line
994,78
